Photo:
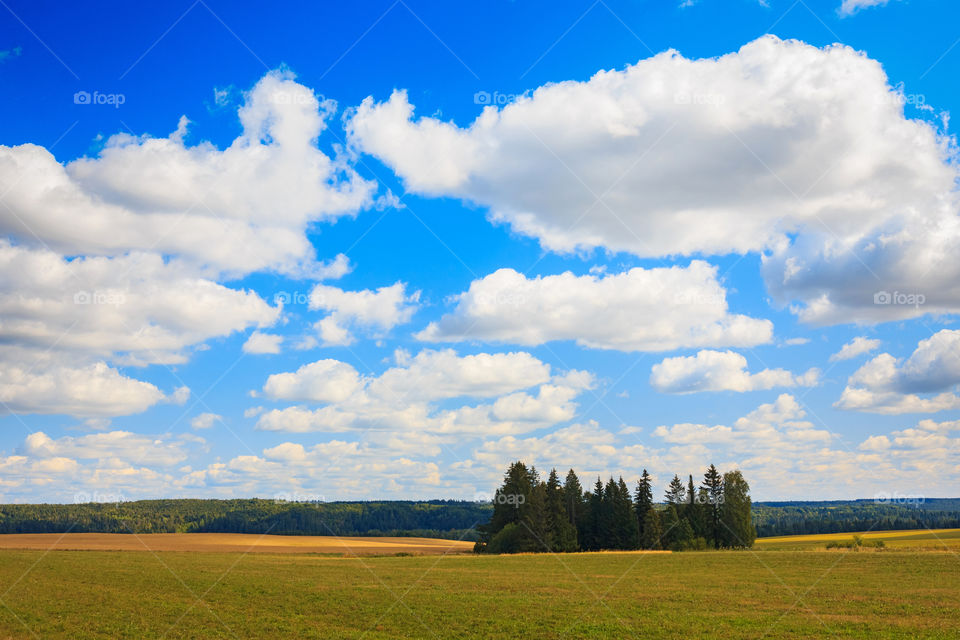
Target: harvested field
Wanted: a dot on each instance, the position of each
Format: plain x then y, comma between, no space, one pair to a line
233,542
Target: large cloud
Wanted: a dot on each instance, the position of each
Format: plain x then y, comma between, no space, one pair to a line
637,310
135,307
407,396
194,202
886,385
781,147
721,371
114,445
95,390
64,320
119,258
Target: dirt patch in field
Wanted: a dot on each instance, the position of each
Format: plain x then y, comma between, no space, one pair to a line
232,542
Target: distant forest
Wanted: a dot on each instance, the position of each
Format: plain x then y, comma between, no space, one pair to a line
533,515
839,516
433,518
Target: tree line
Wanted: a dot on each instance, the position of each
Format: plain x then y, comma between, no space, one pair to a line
454,519
535,515
841,516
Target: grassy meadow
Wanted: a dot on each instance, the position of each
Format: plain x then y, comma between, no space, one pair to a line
732,594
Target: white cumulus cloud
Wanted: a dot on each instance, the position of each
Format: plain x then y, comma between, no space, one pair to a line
721,371
923,383
407,397
637,310
261,343
801,153
856,347
369,310
205,420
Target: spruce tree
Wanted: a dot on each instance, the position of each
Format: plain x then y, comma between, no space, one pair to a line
643,500
683,538
595,531
573,497
630,528
676,492
670,522
563,535
509,501
713,485
511,508
689,510
611,529
652,530
736,522
624,532
539,536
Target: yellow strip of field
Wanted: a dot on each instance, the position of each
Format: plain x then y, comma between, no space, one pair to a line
228,542
943,539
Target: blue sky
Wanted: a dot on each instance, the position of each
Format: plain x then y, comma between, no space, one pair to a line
380,251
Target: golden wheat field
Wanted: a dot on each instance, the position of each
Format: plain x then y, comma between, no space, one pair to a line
913,539
233,542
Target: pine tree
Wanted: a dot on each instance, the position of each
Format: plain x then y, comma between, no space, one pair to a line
683,538
624,521
508,529
652,530
610,528
563,535
585,523
676,492
670,522
536,519
736,522
643,500
694,510
573,497
713,485
595,531
510,499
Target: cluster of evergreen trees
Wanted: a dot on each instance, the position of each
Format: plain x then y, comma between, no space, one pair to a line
532,515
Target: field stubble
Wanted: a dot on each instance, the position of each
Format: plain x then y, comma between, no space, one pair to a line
745,594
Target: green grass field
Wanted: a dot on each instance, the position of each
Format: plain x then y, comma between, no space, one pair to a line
769,594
